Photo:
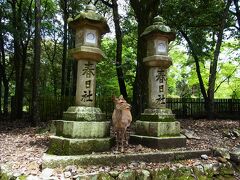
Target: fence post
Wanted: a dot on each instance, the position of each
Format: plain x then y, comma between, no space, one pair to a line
230,105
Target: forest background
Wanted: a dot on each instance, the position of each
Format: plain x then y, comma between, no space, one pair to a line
35,38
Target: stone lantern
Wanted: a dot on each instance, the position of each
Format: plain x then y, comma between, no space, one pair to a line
157,126
84,128
89,27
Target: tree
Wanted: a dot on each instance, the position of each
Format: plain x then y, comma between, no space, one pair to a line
36,65
208,94
64,7
21,21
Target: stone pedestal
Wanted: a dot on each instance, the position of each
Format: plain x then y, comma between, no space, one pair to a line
158,128
84,130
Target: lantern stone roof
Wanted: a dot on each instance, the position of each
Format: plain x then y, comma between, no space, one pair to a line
89,17
158,26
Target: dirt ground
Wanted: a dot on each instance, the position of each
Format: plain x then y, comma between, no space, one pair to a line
21,147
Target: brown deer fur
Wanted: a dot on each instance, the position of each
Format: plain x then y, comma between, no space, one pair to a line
121,119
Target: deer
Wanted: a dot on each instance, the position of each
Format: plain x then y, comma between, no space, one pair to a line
121,120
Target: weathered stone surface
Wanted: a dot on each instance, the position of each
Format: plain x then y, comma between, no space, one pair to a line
162,61
211,170
127,175
223,152
158,117
159,26
88,176
53,161
157,129
86,73
159,142
105,176
226,169
47,173
114,174
83,129
204,156
199,172
144,175
161,111
89,17
161,174
235,155
190,134
81,113
183,173
67,146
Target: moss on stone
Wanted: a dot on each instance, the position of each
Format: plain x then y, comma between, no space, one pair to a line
4,176
162,174
183,173
127,175
144,175
22,177
105,176
226,169
66,146
157,118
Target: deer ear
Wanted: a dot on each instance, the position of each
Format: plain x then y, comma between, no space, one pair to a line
121,97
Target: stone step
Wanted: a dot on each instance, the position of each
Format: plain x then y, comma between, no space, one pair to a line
159,142
68,146
53,161
82,129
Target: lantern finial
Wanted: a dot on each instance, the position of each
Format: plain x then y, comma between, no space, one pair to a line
90,7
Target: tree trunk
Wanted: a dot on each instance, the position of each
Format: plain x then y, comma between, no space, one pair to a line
237,12
64,54
0,91
19,62
213,65
144,12
118,63
36,65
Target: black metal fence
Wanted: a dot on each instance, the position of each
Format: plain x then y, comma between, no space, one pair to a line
194,107
53,107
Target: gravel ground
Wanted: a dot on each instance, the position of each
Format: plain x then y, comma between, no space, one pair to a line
21,147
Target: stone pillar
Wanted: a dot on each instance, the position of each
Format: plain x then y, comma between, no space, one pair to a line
84,128
86,83
157,87
157,126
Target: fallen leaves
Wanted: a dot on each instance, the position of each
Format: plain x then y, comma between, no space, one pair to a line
22,148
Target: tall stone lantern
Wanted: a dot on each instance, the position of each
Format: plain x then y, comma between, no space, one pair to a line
84,128
157,126
89,28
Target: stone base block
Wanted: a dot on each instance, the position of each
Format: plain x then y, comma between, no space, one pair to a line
157,129
67,146
82,113
76,129
158,115
159,142
53,161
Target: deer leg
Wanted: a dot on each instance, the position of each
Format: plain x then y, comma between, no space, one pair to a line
117,140
127,134
122,139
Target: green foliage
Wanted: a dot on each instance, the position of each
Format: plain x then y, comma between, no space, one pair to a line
107,83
